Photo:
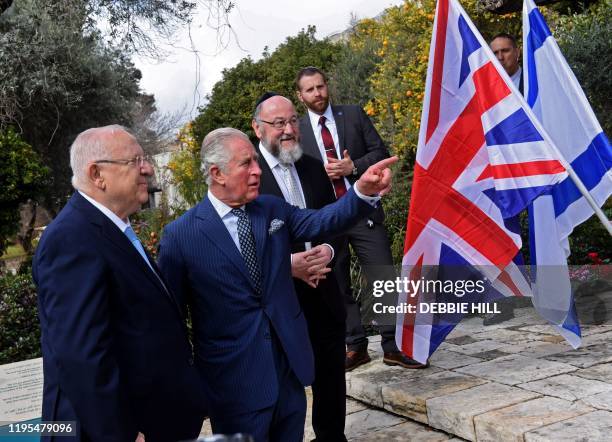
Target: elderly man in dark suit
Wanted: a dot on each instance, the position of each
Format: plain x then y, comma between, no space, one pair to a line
230,255
301,180
344,139
116,357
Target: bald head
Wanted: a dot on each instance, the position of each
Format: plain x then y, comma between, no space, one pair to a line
92,145
276,124
110,166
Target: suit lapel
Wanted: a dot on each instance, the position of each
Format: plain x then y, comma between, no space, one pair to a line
300,167
212,226
116,237
308,140
339,119
268,184
258,223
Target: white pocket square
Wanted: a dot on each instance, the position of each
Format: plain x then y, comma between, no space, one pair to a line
275,225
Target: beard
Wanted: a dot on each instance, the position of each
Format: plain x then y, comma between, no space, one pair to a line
284,155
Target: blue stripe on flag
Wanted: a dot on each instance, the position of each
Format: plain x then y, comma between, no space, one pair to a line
512,201
470,44
538,33
571,323
517,128
591,166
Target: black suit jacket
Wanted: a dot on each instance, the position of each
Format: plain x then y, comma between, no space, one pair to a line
116,357
357,134
318,192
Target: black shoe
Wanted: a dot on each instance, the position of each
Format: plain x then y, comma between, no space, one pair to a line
398,358
356,358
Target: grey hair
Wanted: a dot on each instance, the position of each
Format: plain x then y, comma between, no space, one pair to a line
89,146
214,149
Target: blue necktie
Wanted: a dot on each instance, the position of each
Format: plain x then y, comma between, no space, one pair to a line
247,247
129,232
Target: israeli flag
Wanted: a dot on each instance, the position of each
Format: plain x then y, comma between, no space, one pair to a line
554,94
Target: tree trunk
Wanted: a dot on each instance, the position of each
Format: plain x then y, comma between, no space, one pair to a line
28,214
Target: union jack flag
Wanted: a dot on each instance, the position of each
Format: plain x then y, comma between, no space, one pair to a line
481,158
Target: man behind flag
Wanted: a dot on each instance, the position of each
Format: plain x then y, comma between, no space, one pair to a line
481,158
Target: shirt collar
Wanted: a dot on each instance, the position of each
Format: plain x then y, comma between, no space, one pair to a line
516,77
220,207
106,211
328,114
270,159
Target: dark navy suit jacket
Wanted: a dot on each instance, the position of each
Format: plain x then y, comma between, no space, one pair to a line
116,357
233,326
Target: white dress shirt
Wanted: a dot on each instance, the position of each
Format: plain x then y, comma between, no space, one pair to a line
516,77
331,125
229,219
123,225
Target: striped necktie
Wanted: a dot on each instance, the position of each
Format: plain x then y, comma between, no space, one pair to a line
330,151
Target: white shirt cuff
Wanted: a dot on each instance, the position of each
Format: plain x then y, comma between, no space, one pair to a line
371,200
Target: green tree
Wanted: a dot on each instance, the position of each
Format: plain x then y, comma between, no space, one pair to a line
57,79
232,99
21,177
585,40
350,74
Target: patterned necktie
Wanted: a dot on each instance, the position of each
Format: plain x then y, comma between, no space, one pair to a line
129,232
330,151
295,196
247,247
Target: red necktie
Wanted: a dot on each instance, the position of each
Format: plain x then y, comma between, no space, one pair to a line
330,151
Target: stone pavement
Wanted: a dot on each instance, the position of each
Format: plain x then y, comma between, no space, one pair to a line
515,381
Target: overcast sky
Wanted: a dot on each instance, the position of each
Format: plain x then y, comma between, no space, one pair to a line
257,24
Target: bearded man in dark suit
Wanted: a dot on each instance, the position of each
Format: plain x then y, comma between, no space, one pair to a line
301,181
344,139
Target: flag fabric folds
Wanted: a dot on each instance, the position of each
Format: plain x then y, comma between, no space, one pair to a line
482,157
557,100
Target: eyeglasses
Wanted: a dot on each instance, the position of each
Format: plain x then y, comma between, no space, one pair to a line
138,160
281,123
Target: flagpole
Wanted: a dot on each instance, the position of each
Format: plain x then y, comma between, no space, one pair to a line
587,195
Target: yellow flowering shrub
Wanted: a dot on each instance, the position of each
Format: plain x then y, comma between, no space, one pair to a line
398,82
185,167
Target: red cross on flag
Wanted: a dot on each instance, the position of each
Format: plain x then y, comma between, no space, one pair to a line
481,158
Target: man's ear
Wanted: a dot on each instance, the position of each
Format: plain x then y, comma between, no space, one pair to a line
255,127
299,95
217,175
95,177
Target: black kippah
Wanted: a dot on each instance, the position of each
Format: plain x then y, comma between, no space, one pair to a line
264,97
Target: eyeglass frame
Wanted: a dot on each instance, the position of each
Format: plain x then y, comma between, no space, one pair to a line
138,159
276,124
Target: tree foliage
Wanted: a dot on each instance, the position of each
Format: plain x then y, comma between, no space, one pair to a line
585,40
186,172
21,177
231,102
19,326
57,79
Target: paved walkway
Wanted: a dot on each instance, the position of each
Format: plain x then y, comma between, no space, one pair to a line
515,381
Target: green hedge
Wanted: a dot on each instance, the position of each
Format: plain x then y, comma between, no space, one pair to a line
19,326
